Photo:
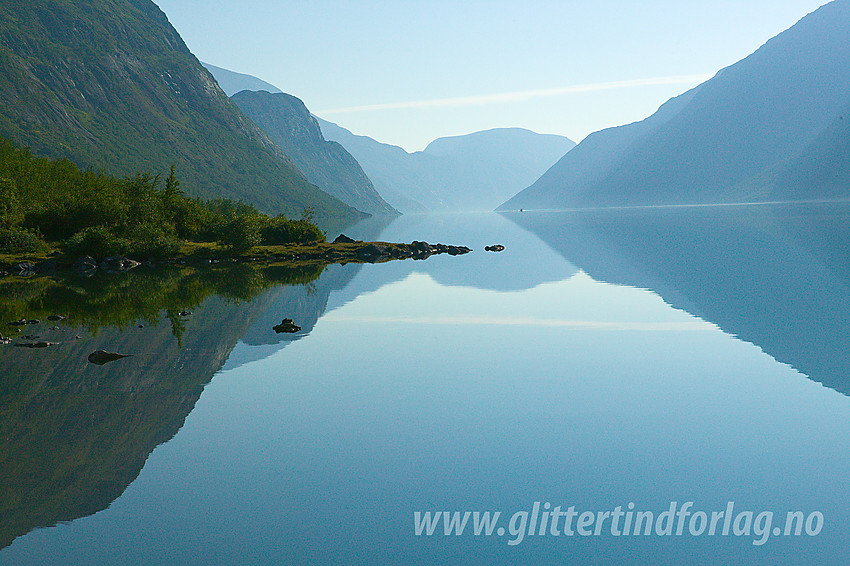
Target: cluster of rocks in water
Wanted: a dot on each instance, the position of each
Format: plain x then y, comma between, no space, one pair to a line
30,340
342,250
85,266
377,252
33,342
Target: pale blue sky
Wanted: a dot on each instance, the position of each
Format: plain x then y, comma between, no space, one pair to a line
407,72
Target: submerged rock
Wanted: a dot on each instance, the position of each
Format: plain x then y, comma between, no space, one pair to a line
101,357
286,325
36,344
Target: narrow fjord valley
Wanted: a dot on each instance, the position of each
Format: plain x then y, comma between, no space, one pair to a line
220,344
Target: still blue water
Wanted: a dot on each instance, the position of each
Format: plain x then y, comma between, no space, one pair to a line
586,365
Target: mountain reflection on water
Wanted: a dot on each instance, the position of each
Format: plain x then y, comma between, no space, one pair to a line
777,276
73,435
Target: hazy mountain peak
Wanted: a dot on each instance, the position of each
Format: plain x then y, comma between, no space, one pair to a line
471,172
729,140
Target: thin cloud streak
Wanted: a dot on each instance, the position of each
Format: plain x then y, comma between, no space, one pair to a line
521,96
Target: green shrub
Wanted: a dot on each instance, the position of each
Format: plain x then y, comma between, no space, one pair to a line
279,230
19,241
151,240
240,234
10,209
96,241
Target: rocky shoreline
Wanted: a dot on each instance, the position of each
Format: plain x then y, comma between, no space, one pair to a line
341,250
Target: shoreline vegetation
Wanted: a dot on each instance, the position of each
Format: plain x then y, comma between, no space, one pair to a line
54,216
65,234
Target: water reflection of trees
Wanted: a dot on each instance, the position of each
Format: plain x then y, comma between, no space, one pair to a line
74,435
141,295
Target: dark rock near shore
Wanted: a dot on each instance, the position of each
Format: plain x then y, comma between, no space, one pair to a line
423,250
35,345
24,322
55,317
118,264
85,266
373,251
287,325
343,239
101,357
23,269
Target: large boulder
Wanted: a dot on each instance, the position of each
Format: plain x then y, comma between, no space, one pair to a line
343,239
287,325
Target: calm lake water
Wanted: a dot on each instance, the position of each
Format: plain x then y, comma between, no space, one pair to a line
611,361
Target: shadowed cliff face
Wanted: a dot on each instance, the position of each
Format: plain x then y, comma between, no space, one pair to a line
74,435
778,277
325,164
111,85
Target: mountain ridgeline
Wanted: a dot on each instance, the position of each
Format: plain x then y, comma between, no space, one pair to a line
472,172
111,86
232,82
325,164
773,126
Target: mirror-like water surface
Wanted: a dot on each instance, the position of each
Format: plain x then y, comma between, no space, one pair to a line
611,362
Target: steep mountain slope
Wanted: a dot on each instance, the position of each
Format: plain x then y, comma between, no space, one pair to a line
111,85
325,164
472,172
825,163
737,134
232,82
400,180
592,159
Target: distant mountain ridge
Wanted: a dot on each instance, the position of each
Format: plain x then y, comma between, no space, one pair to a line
473,172
232,82
326,164
111,85
754,132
